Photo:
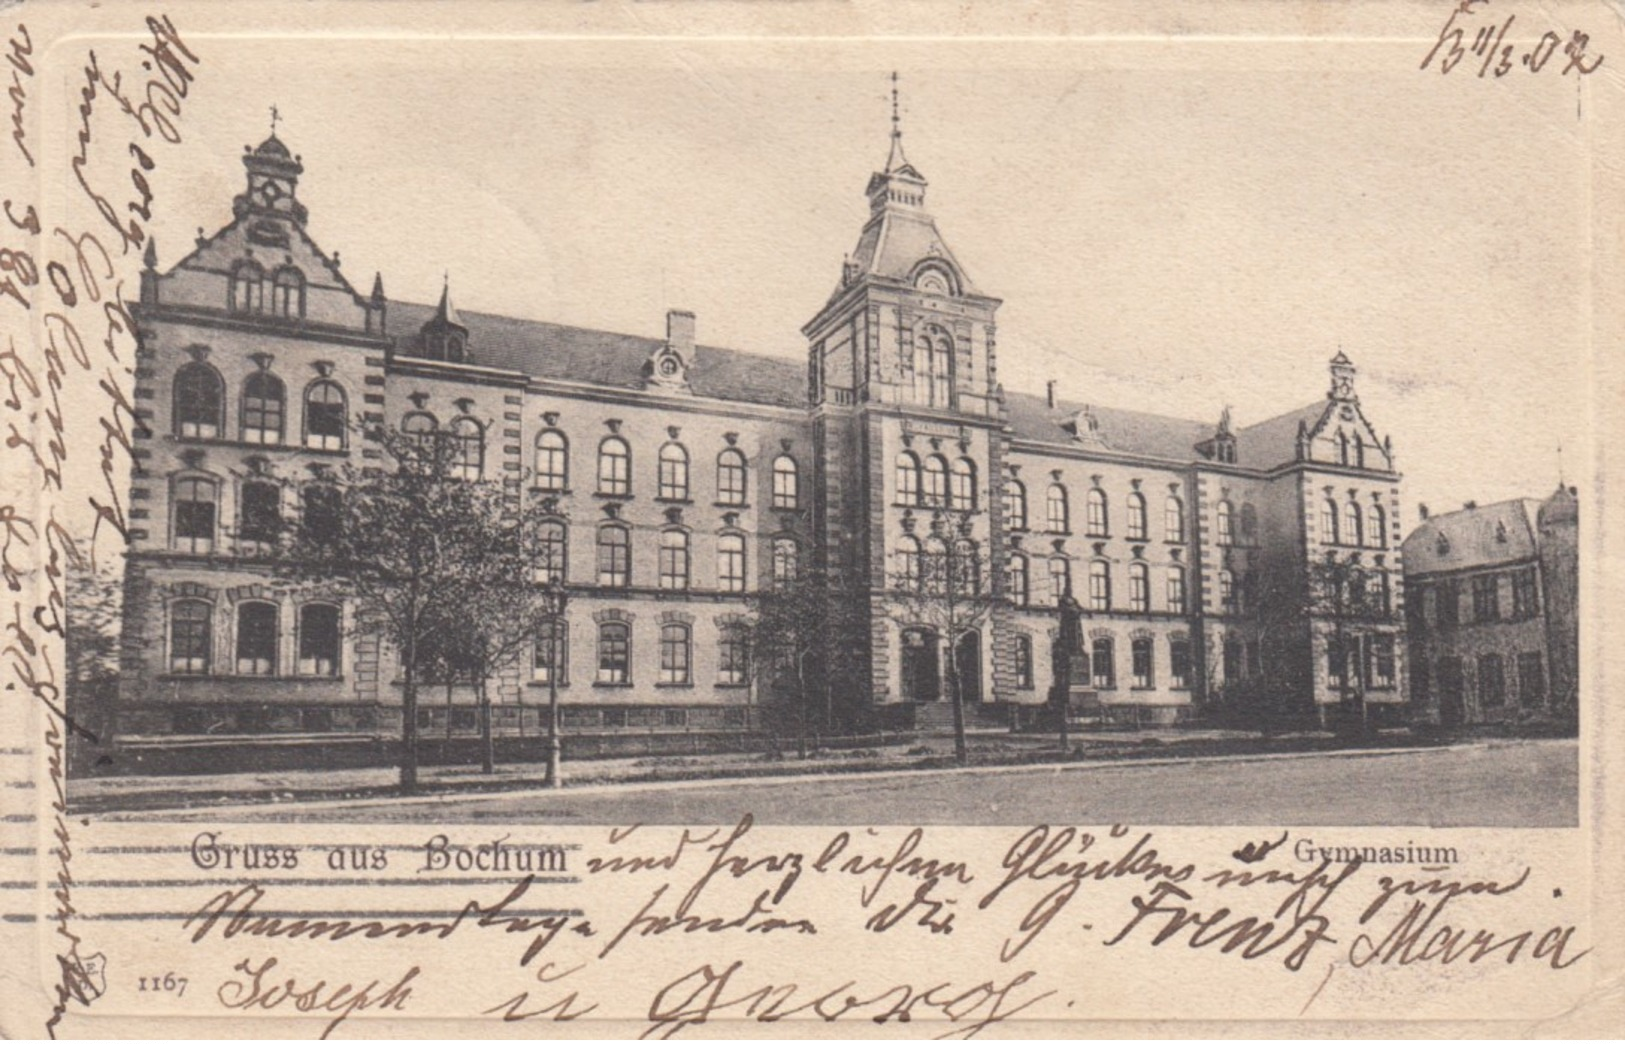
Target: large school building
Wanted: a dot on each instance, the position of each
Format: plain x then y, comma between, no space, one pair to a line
685,478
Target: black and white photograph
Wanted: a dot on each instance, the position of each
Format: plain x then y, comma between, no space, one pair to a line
871,436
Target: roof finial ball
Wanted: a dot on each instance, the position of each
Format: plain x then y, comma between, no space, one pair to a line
275,118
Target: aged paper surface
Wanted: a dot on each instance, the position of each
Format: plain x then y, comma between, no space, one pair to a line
810,520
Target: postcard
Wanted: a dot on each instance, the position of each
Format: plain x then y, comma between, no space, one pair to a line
912,520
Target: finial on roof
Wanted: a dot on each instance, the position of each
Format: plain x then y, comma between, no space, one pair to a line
378,286
149,258
1224,421
896,160
274,118
1562,483
446,312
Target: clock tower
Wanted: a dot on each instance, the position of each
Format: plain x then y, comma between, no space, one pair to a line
268,205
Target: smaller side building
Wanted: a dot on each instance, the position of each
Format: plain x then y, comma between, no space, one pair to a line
1493,615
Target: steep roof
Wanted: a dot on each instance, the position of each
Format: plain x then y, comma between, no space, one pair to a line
555,351
1275,441
1478,536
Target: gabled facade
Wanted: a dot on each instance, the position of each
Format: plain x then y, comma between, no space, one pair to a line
686,478
1494,612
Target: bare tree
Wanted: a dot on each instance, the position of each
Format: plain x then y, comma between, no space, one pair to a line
1354,599
797,624
947,589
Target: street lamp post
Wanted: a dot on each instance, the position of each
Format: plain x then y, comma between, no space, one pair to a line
556,600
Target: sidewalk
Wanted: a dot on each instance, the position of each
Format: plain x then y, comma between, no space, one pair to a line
935,751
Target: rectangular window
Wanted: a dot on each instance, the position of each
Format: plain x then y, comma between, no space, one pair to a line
256,638
1139,590
1380,662
1103,671
674,658
1486,598
1531,679
552,645
1232,661
1179,663
189,637
1100,587
1176,590
1492,683
319,639
614,654
1448,603
733,659
261,514
674,560
1525,598
1141,656
1024,662
614,557
731,563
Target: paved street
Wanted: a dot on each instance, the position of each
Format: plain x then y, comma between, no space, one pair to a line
1527,783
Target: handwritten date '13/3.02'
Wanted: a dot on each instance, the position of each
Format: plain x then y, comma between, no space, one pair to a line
1489,42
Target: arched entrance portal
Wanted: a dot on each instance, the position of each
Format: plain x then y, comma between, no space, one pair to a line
968,665
922,675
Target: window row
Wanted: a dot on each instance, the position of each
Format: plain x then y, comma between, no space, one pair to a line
1491,680
935,482
195,507
674,558
1513,595
200,408
462,442
1095,666
1058,518
615,659
1350,526
257,636
1099,595
1366,659
245,290
552,472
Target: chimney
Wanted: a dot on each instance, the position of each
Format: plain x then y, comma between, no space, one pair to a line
1470,505
1050,393
680,332
1422,510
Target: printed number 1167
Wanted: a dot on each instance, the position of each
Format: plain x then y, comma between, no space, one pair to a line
169,983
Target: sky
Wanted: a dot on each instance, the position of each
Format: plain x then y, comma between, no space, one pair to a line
1171,228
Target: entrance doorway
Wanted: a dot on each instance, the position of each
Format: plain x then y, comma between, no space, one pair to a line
922,674
1452,693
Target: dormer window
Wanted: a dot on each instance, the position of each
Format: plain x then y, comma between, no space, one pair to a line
1442,545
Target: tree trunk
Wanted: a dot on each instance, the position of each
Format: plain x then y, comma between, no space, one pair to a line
449,684
961,750
555,777
409,719
488,753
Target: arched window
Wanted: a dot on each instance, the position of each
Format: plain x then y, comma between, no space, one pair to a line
264,403
1015,504
200,402
786,484
1103,664
259,513
733,656
190,636
731,482
1055,513
730,562
1376,527
552,647
674,560
324,415
908,479
247,287
615,467
1100,586
288,293
908,563
420,431
553,551
1176,589
1227,590
614,653
1137,526
319,639
614,555
1249,524
323,516
786,559
1179,661
1226,527
1328,522
1139,587
933,367
1060,577
468,449
965,567
962,485
552,461
1351,524
195,500
1173,520
673,472
1016,579
935,487
256,638
676,655
1097,520
1023,649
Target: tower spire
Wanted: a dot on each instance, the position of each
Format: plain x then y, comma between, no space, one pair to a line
896,160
